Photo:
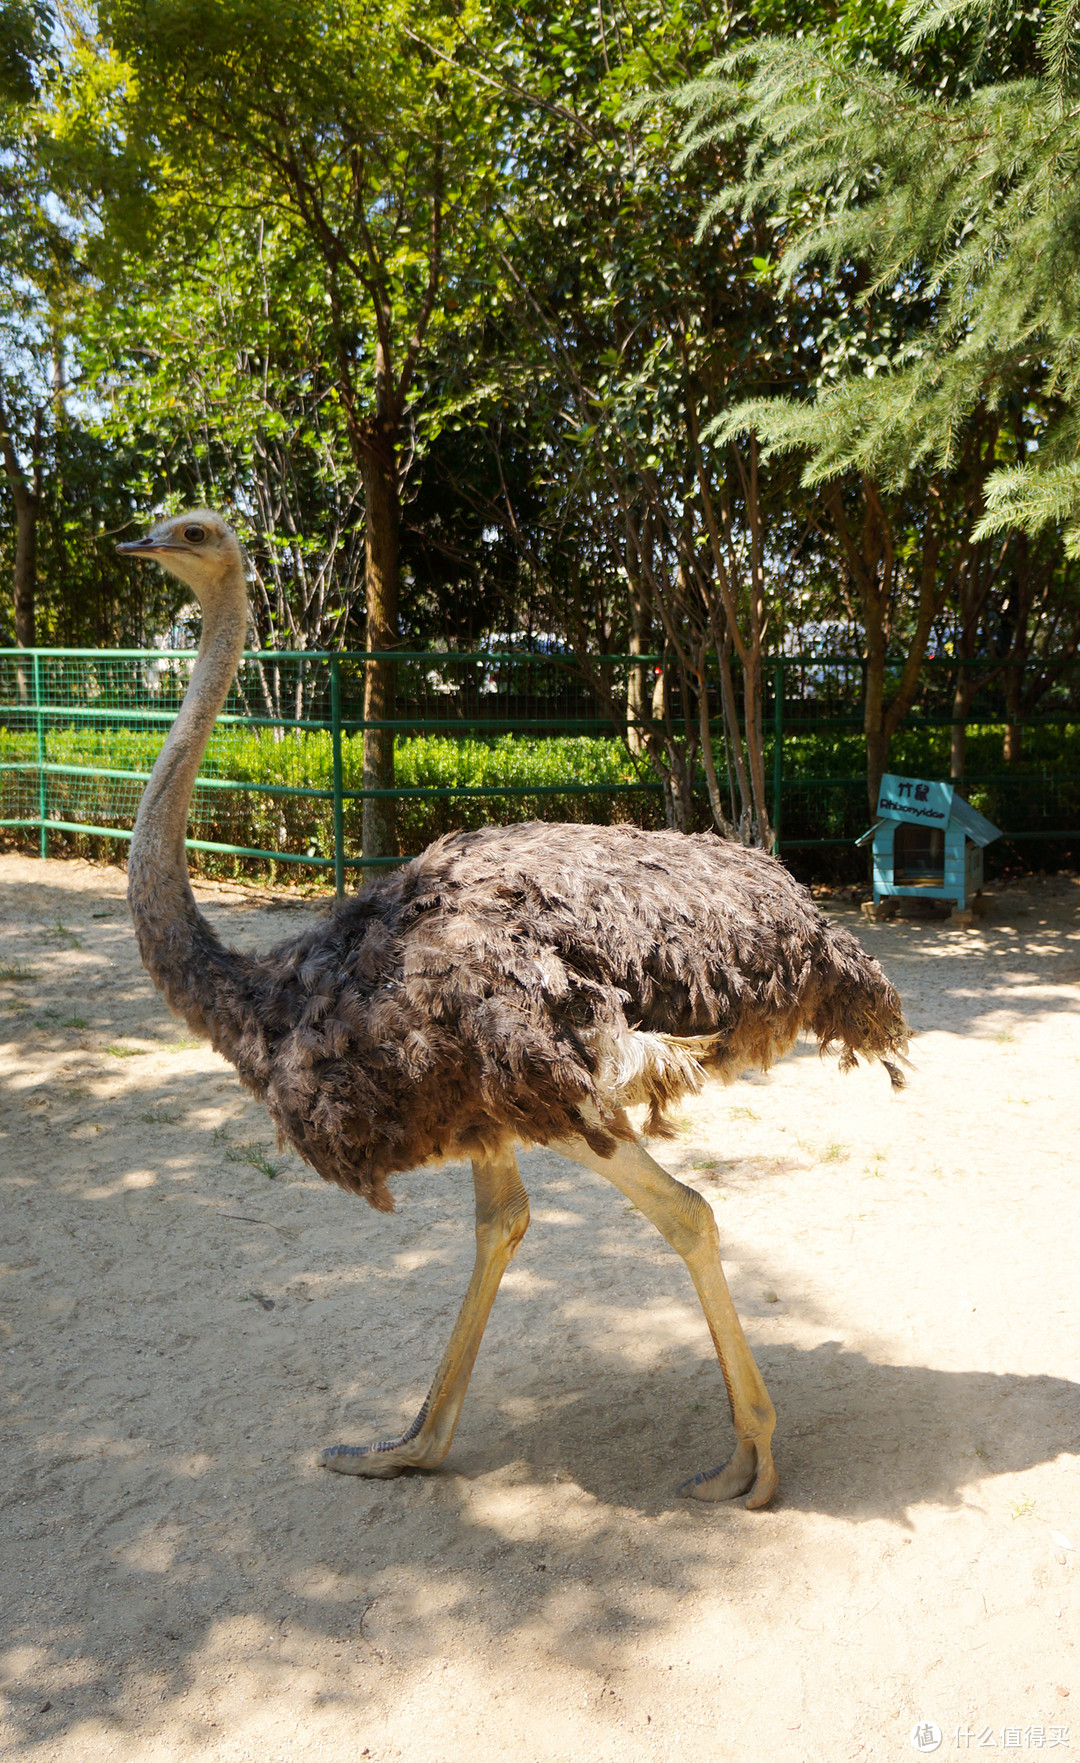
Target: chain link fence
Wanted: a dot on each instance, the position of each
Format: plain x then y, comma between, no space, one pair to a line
819,760
478,737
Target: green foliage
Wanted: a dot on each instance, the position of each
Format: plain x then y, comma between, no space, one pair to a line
824,792
956,201
303,761
251,247
292,213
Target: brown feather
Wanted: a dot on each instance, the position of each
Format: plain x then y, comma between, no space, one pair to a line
525,983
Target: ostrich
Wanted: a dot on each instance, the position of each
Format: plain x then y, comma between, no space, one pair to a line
518,985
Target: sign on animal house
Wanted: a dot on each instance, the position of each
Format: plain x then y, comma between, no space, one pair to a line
915,799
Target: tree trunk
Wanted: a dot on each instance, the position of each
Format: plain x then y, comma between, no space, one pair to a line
1014,728
26,494
725,826
382,523
958,738
877,739
754,827
963,693
974,583
877,758
734,744
871,564
26,519
678,795
752,694
637,709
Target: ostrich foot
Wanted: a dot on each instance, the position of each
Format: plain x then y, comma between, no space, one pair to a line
389,1457
750,1467
502,1216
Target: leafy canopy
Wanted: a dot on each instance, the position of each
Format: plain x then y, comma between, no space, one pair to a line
958,196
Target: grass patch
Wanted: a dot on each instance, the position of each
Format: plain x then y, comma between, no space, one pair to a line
17,972
119,1052
256,1156
59,933
304,760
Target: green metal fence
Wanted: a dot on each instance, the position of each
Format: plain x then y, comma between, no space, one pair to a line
282,777
479,736
819,755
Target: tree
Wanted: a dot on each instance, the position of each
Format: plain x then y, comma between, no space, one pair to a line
369,154
228,373
957,192
25,482
34,268
910,200
618,340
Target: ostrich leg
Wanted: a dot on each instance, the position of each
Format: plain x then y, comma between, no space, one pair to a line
686,1221
502,1218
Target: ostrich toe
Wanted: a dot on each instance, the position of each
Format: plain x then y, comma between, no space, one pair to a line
749,1470
381,1461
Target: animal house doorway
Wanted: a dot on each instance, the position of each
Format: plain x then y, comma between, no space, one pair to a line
919,855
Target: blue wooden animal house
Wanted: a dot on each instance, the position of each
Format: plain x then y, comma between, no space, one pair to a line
927,844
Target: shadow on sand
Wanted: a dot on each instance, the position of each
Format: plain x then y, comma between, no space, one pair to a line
161,1493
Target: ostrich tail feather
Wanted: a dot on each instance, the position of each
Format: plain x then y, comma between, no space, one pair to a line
852,1007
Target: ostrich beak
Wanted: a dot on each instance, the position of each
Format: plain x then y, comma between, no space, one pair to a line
146,547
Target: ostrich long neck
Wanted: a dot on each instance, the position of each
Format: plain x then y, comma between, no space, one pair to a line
174,939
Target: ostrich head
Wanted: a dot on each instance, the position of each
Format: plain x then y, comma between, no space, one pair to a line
199,548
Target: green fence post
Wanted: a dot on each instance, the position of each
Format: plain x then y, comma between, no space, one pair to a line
778,751
39,719
339,800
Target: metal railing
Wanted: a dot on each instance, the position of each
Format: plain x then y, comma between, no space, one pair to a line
80,729
818,717
479,736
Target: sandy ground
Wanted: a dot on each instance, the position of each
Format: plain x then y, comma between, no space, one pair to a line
180,1333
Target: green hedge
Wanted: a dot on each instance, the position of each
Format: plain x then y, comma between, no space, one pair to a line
1043,791
303,760
925,751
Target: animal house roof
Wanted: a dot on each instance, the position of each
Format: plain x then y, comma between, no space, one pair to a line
925,802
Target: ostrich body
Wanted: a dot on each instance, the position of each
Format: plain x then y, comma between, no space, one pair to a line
515,985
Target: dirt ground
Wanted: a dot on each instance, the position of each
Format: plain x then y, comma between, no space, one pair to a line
186,1316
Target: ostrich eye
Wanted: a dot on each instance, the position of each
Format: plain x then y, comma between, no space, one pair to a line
194,534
